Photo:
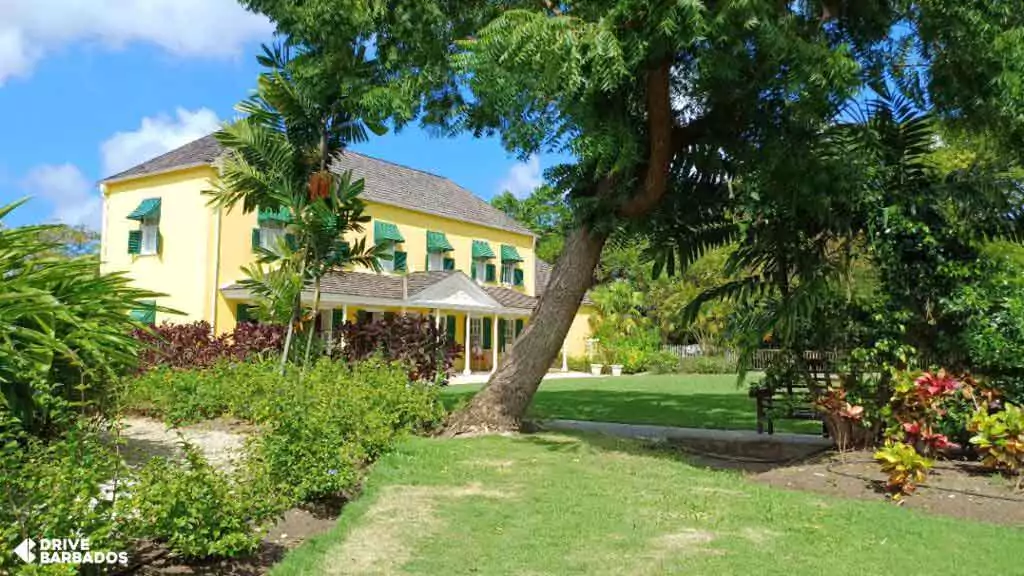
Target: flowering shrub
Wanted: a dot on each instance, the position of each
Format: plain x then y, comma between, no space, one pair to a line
904,465
919,405
1000,438
414,341
195,345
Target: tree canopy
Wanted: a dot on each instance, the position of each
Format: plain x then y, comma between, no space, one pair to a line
661,105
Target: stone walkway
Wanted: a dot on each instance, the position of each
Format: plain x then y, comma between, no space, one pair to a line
650,432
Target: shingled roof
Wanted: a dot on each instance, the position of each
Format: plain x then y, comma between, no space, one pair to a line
385,183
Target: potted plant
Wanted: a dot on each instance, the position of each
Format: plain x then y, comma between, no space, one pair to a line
595,369
616,369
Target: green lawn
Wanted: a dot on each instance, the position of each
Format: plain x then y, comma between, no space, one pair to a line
556,504
687,400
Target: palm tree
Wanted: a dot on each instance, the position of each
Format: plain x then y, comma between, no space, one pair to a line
278,157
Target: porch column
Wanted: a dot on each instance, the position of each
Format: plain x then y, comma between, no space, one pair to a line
344,318
467,371
437,319
494,343
328,321
565,361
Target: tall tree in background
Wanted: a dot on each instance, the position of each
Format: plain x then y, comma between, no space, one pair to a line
545,212
654,100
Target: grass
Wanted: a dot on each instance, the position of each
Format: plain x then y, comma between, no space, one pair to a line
686,400
557,504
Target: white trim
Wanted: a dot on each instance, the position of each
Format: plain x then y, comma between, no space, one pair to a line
216,268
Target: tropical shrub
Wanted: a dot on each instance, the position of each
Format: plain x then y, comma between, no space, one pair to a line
663,362
195,509
904,465
999,437
321,431
919,405
65,329
414,341
194,345
707,365
65,486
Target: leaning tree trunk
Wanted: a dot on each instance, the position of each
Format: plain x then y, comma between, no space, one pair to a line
312,328
500,406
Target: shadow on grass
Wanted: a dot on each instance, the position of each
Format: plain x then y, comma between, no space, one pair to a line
750,458
722,411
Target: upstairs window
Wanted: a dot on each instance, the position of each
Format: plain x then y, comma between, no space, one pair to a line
387,236
435,261
146,240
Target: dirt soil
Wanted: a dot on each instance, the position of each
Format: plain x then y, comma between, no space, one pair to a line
222,441
957,489
954,488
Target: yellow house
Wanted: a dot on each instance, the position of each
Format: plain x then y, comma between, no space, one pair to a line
456,258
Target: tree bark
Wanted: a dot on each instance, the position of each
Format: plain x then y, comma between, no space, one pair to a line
500,406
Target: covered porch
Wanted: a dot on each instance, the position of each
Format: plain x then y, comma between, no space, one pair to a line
484,321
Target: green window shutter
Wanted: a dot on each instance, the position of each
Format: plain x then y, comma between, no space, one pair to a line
501,333
438,242
400,259
491,273
242,313
283,215
472,271
426,262
293,243
386,231
255,238
159,242
519,326
517,277
337,318
487,333
135,241
362,317
449,263
510,254
146,313
450,327
482,249
148,209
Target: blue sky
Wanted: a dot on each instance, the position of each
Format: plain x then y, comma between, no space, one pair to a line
91,87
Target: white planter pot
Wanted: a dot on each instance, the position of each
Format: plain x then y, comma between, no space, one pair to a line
595,369
616,369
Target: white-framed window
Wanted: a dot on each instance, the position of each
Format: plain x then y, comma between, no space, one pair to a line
435,261
510,334
508,273
389,264
481,271
150,236
476,328
270,236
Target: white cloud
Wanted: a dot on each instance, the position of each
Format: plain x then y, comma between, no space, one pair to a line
75,200
156,135
29,29
522,178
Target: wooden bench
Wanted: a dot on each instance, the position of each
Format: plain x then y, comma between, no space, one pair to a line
793,401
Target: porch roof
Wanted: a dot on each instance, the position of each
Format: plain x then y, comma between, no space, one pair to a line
436,289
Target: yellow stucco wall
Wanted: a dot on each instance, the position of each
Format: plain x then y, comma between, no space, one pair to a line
182,268
192,268
579,332
414,226
236,246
